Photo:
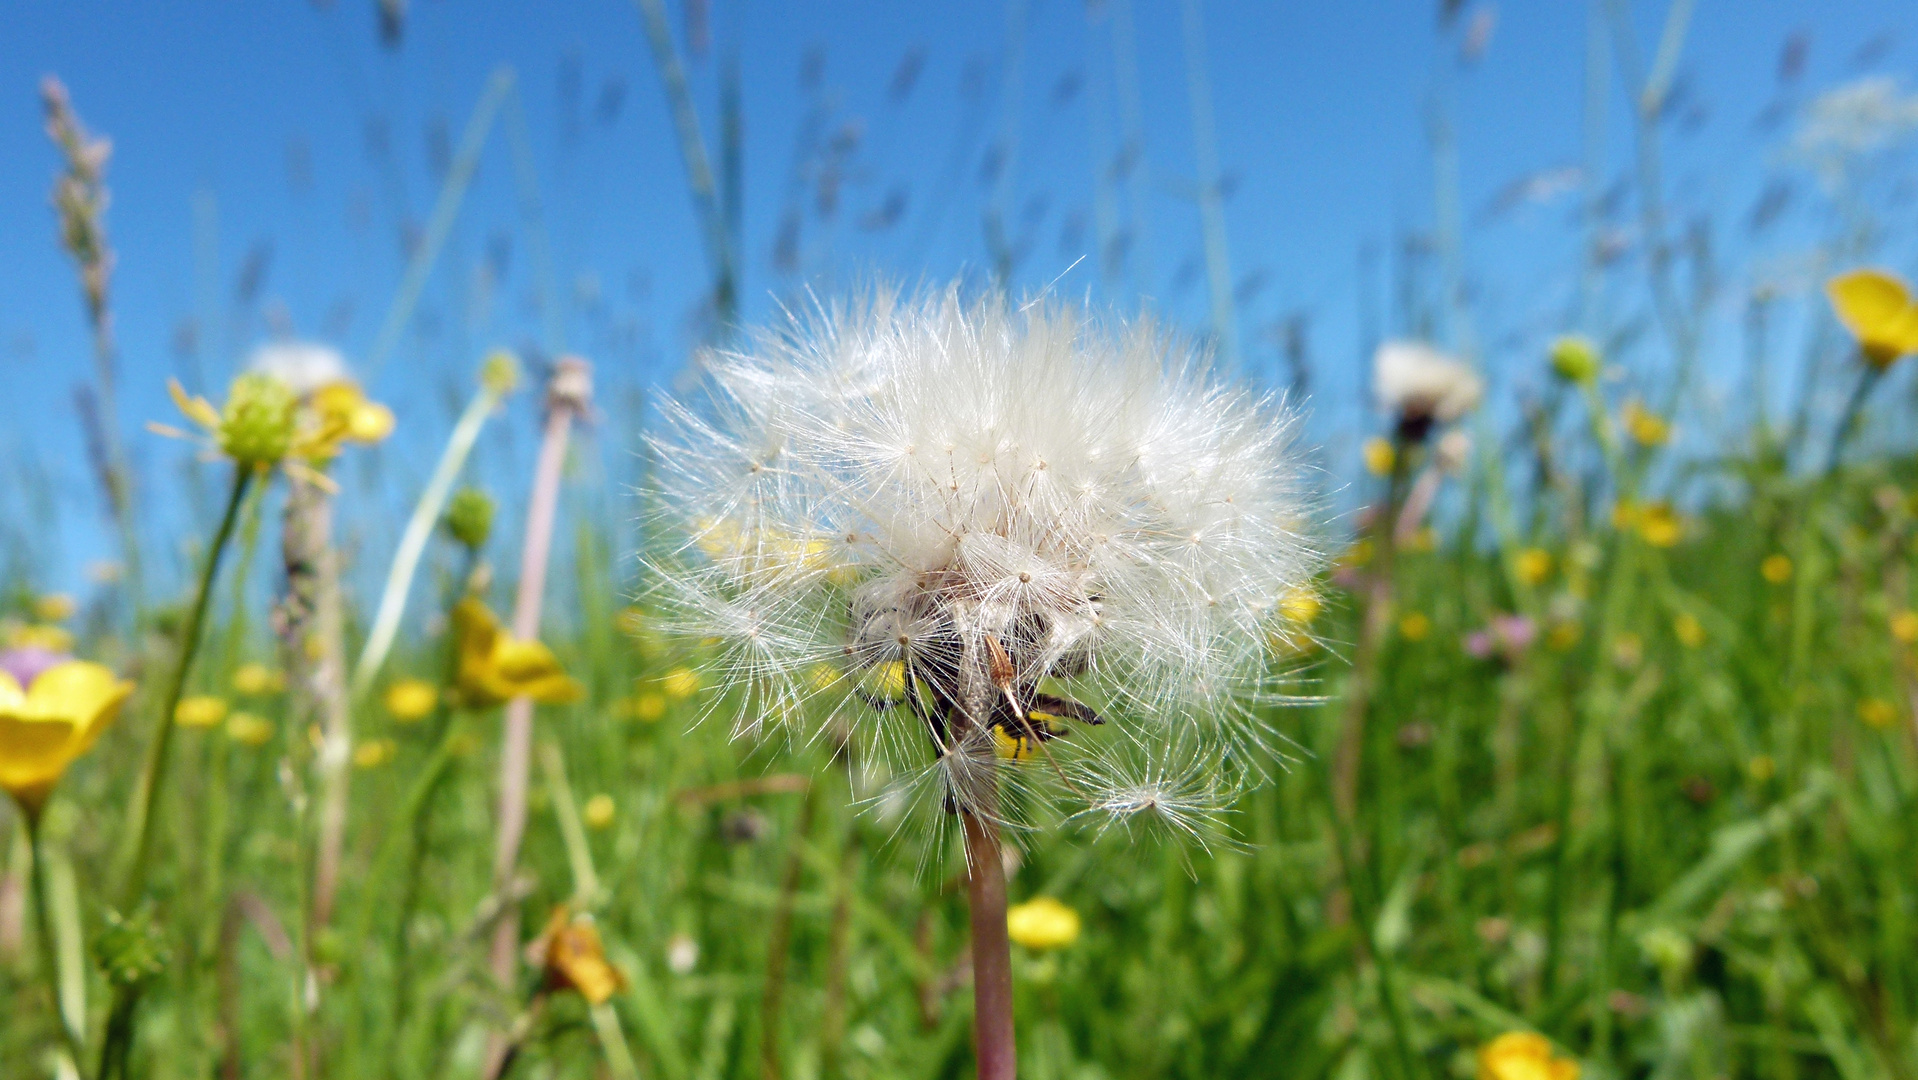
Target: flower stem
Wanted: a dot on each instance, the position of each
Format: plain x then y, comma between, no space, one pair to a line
49,949
1848,420
992,1031
139,828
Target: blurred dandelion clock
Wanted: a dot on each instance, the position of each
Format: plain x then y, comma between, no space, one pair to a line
1046,554
1421,386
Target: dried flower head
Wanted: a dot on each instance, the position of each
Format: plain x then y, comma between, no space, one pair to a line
1032,555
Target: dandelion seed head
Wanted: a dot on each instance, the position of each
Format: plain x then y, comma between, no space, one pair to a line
971,510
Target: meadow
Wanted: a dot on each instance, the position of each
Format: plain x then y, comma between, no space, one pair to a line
1591,744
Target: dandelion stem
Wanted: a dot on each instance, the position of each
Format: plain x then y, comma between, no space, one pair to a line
992,1030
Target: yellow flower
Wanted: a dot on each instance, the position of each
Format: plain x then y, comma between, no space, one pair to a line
54,607
680,682
53,639
257,680
1379,456
1904,627
1761,768
342,414
1776,569
648,707
49,724
248,729
1877,712
573,959
495,667
1646,428
200,711
411,699
1414,626
1533,565
1042,923
1688,630
1876,307
373,753
1523,1055
598,813
1300,605
1658,523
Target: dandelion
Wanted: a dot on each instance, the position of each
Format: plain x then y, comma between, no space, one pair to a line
410,700
1421,387
495,667
1523,1055
1042,923
249,729
1776,569
1010,505
200,711
257,680
1533,566
598,812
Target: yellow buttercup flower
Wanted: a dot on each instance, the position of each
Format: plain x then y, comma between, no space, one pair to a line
200,711
54,639
1688,630
680,682
1415,626
1876,307
1776,569
257,680
1533,566
411,699
248,729
373,753
1878,712
47,725
1379,456
1523,1055
1646,428
648,707
1761,768
495,667
342,414
574,959
1300,605
1042,923
598,812
1658,523
54,607
1904,627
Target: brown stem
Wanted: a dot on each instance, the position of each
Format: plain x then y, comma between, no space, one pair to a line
992,1032
568,394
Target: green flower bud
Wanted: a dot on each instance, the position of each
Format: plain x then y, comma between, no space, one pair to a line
469,517
500,373
257,425
1576,359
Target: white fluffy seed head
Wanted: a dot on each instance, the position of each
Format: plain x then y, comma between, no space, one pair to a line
1411,379
938,514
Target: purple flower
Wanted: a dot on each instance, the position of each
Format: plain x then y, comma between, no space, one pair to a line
27,662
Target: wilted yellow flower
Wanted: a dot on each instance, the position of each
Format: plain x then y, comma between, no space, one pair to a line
1414,626
257,680
54,607
1533,565
248,729
373,753
1776,569
200,711
1904,627
1646,428
1301,605
1575,359
1658,523
1523,1055
411,699
50,723
1379,456
1877,712
570,953
1042,923
495,667
598,813
1876,307
680,682
1688,630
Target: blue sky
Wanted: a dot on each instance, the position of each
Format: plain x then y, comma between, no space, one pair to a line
247,145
